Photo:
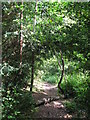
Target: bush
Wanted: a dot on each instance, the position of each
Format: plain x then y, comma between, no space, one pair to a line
78,88
15,101
50,79
18,106
25,105
71,106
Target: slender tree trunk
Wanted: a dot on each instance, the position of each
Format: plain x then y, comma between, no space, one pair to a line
21,37
61,74
62,70
32,69
32,72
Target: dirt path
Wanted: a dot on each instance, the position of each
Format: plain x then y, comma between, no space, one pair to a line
53,109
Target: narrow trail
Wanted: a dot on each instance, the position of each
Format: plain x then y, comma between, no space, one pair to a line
54,109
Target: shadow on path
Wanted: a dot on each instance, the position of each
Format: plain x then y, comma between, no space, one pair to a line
53,109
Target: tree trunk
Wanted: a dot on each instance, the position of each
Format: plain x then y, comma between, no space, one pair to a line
21,37
61,74
32,72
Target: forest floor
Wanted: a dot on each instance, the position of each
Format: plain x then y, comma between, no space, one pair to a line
54,109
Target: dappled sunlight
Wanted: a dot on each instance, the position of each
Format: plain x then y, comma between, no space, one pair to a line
39,95
58,105
43,85
54,109
67,116
48,86
48,105
45,88
44,93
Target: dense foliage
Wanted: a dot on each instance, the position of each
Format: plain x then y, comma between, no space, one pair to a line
47,29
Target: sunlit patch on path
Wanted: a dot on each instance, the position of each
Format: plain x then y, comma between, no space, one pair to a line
54,109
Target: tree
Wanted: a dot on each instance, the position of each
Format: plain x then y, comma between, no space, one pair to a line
32,74
21,35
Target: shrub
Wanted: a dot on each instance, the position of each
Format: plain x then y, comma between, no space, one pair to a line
78,87
71,106
50,79
15,101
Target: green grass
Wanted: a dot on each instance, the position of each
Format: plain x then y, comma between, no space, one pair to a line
50,79
71,106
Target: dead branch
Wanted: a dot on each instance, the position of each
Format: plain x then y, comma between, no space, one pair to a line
46,100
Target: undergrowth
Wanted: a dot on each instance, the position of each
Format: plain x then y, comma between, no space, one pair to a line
75,84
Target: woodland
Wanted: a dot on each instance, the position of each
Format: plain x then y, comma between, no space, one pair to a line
45,60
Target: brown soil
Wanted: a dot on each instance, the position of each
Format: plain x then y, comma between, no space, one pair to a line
55,109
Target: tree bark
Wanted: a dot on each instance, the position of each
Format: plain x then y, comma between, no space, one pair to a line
59,84
21,37
32,72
